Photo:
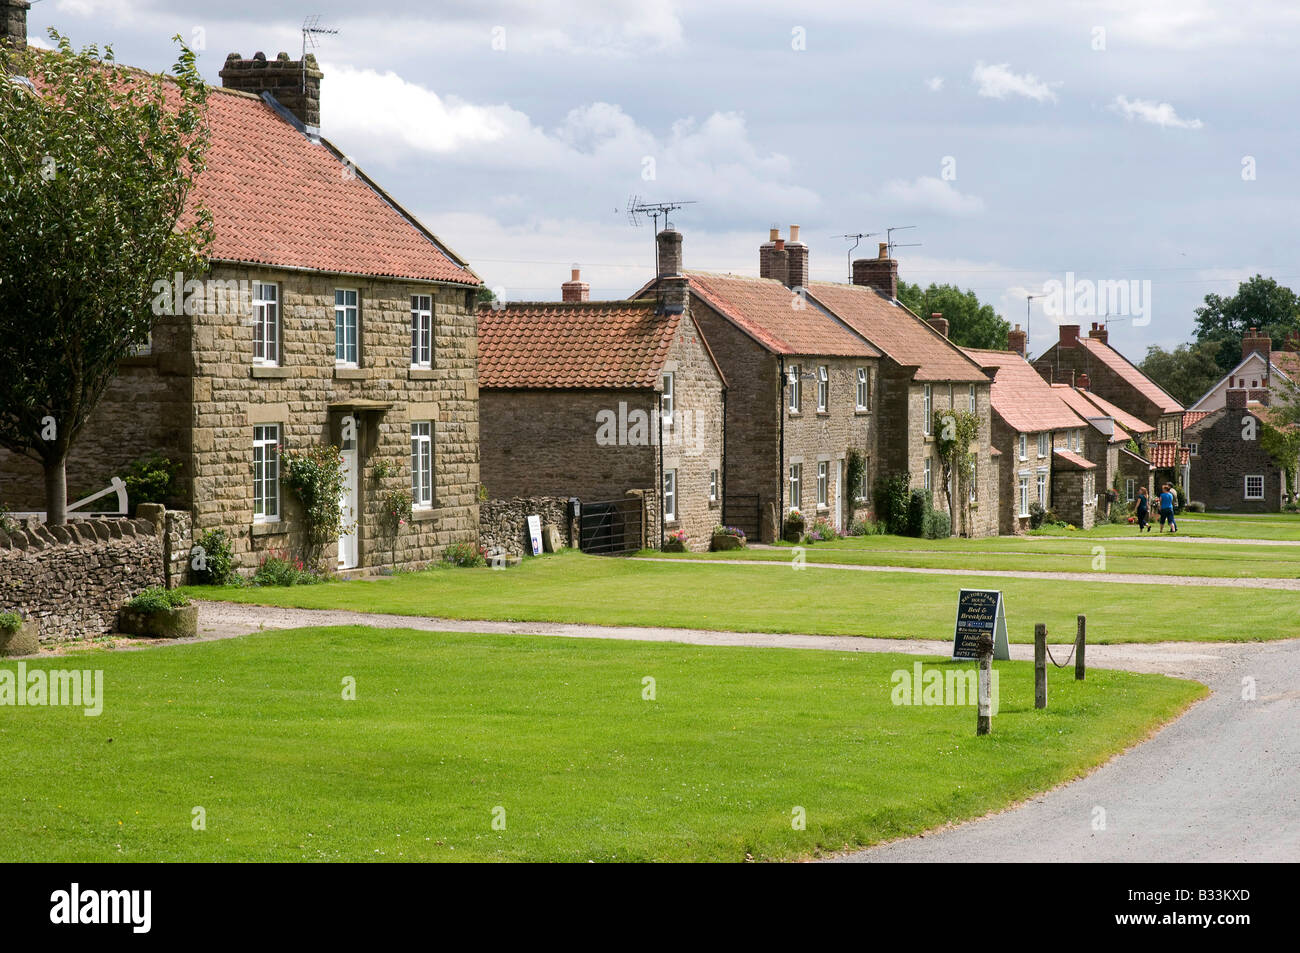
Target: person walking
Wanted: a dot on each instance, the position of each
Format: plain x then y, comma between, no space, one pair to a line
1167,509
1143,510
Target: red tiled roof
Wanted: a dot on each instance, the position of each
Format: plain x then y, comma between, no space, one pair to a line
1194,417
277,198
1166,453
776,317
1288,362
1073,461
587,344
1021,397
903,336
1078,401
1121,365
1107,409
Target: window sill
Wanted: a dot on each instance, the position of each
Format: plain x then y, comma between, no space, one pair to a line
269,528
420,374
422,515
823,413
862,411
349,373
268,370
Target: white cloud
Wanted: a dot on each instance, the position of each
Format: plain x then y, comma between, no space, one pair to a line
1148,110
997,81
934,84
936,195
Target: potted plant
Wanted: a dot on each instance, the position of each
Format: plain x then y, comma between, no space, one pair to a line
18,636
792,531
727,537
159,613
676,542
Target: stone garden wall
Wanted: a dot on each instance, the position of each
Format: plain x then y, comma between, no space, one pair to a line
503,524
72,579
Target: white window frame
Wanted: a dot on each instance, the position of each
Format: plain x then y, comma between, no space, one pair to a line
1023,446
351,355
860,490
266,324
421,332
266,473
974,480
713,486
863,390
823,389
1246,487
796,389
1130,488
823,484
1040,487
670,496
667,398
929,476
1193,449
927,408
1043,440
422,464
796,486
972,398
1023,486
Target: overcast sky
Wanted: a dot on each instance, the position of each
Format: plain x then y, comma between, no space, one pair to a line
1128,140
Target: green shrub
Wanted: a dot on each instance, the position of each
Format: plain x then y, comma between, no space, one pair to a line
314,475
465,555
275,569
866,527
10,622
1195,506
150,479
938,525
1036,514
218,562
158,599
919,505
890,496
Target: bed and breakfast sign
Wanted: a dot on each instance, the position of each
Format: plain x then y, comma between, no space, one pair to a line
980,612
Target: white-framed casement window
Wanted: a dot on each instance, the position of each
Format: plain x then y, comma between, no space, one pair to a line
666,400
1024,446
1255,487
927,409
346,327
421,464
929,475
863,392
670,496
713,486
1024,494
1194,449
1130,489
266,323
796,389
823,483
421,331
974,480
1042,488
266,473
972,398
1042,444
796,486
823,389
860,491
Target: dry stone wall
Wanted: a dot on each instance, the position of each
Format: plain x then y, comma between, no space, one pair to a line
503,524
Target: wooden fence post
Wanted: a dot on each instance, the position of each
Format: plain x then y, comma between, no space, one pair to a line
1081,641
984,716
1040,665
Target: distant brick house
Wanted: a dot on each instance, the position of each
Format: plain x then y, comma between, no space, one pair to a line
801,391
1112,377
921,372
329,315
1232,472
1267,376
1042,442
599,399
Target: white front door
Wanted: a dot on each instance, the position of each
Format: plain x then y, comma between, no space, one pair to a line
348,507
839,495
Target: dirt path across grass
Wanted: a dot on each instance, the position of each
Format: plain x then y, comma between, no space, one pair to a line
1120,578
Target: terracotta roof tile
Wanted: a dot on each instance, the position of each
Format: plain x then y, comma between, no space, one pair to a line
1072,461
1166,453
588,344
899,333
1107,409
277,198
1078,401
1121,365
1288,362
776,317
1194,417
1021,397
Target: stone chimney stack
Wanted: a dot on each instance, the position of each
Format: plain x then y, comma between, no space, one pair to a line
1082,382
1069,335
797,273
674,288
1017,341
765,253
575,289
295,84
880,272
13,29
780,262
939,323
1099,332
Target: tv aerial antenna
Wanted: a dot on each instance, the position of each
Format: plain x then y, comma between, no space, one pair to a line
857,240
891,244
311,29
638,210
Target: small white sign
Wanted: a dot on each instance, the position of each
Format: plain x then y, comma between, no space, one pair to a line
535,533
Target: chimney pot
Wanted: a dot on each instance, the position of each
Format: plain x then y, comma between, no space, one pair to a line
1083,383
794,234
773,234
884,251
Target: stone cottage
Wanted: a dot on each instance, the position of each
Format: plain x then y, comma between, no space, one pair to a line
1232,472
599,399
1107,443
801,391
328,316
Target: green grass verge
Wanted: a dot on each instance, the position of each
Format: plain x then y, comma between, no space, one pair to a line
446,728
571,587
1266,526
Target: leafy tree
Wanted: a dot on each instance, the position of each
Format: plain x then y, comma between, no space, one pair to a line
1259,303
1186,372
97,163
955,431
970,323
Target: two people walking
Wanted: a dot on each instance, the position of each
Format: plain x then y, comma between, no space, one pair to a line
1166,509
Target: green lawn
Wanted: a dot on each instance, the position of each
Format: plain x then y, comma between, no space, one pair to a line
1269,526
572,587
1146,554
446,728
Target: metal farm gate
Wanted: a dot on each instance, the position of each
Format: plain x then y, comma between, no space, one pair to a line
611,527
741,510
